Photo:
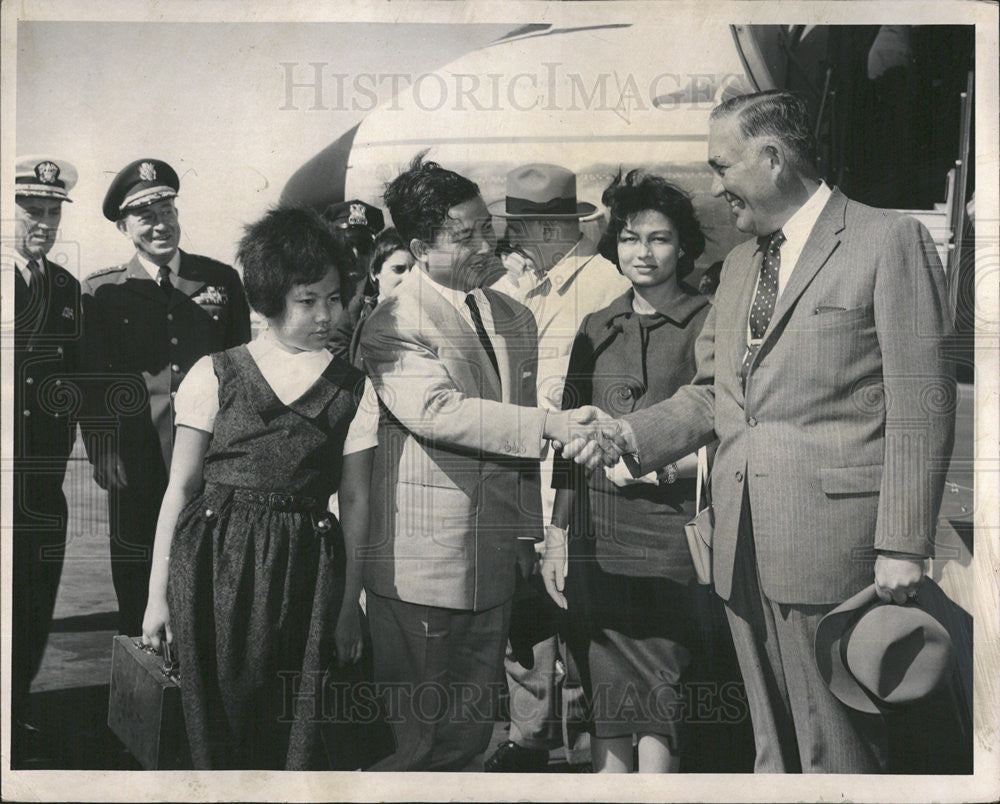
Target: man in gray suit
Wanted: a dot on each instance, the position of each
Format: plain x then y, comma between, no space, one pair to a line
821,370
455,490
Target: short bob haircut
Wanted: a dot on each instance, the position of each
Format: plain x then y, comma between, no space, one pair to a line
642,191
288,246
387,243
419,198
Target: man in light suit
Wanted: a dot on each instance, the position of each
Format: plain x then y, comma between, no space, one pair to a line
455,490
822,372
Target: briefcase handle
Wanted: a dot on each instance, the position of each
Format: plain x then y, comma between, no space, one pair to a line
171,667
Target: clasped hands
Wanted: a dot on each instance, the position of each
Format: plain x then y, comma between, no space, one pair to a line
588,436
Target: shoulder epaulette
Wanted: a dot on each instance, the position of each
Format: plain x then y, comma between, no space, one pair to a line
105,271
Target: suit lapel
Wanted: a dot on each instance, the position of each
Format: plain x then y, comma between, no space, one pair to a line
463,343
189,281
746,298
823,240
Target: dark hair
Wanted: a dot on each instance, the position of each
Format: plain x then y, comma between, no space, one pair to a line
641,191
419,198
387,243
288,246
775,113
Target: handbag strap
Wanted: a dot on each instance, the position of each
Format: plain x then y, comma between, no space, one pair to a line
701,486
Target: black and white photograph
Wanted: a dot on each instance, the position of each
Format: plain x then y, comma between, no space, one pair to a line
560,394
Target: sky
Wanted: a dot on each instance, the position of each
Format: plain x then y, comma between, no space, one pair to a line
205,97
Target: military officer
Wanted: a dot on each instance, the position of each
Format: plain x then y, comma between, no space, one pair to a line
47,325
147,322
354,225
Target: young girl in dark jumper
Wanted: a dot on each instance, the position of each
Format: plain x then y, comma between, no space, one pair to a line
263,583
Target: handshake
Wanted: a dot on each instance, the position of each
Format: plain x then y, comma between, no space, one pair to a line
589,436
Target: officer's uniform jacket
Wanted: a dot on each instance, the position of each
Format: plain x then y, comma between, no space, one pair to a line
46,358
139,345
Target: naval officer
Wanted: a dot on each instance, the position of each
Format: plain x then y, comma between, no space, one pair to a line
147,322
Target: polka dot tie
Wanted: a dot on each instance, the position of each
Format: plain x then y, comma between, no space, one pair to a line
764,299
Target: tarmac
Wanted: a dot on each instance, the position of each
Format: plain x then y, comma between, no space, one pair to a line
69,695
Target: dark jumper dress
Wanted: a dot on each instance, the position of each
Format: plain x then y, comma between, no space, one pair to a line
257,570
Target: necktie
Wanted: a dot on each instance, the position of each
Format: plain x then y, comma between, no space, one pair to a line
163,279
484,339
28,297
762,307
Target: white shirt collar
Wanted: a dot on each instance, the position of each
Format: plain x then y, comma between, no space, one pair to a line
798,227
456,298
21,263
564,270
153,269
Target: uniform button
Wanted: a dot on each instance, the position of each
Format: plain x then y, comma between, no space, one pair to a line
59,350
58,382
124,320
30,380
175,367
752,421
27,413
173,341
739,477
170,316
173,394
31,348
215,317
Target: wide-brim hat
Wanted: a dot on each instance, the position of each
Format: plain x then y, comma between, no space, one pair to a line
42,176
875,655
542,191
138,184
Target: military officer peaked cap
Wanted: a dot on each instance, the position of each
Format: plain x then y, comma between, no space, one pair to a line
355,214
140,183
44,177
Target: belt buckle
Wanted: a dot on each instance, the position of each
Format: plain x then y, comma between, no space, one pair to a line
280,501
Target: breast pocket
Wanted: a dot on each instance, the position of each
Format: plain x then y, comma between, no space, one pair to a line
826,318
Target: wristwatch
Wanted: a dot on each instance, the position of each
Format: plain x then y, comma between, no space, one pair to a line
667,475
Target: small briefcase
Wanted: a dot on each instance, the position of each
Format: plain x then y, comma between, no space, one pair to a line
144,705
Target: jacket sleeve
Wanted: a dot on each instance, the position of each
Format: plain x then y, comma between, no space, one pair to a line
414,384
913,322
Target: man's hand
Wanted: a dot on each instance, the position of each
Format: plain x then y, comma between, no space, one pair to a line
588,436
109,472
555,565
897,576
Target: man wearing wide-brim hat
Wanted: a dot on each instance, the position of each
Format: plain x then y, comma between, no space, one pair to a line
47,324
565,281
147,321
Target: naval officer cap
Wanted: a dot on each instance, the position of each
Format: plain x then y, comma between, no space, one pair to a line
355,214
44,177
140,183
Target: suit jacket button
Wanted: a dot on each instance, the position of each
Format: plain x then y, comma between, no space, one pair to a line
170,317
175,368
173,341
27,412
752,421
30,380
739,477
124,320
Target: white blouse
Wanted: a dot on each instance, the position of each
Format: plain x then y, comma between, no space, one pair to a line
290,375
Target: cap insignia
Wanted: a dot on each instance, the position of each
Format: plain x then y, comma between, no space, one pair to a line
358,217
147,171
47,172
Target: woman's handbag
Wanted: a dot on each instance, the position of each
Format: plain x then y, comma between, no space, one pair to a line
699,529
144,707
